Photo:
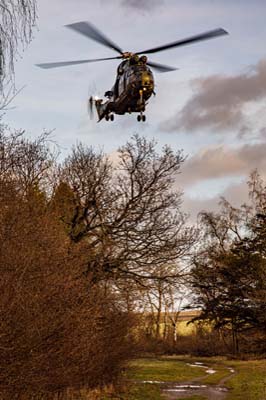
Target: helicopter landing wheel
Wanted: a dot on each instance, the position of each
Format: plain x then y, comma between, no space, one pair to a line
107,117
141,117
111,117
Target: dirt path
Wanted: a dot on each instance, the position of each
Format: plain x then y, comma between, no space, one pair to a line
178,390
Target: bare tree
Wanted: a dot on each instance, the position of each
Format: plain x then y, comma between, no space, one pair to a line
174,301
27,163
161,305
17,18
130,213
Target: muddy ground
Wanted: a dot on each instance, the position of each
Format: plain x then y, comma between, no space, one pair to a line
178,390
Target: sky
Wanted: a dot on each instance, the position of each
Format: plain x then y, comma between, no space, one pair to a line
212,107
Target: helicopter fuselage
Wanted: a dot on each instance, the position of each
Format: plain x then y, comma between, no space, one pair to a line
133,87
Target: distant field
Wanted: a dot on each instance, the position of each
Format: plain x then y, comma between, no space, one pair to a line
183,327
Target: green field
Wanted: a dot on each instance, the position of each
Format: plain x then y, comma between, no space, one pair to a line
162,369
247,383
250,381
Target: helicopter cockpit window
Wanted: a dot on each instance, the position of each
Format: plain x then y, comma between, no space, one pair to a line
120,68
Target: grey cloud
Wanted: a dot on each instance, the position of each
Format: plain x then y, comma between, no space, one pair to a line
222,161
142,4
262,133
244,131
218,101
236,194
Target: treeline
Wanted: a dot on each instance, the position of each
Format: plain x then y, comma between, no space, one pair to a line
75,237
226,282
228,277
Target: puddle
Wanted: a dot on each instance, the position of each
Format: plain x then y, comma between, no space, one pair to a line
184,388
201,365
198,365
210,371
176,391
192,386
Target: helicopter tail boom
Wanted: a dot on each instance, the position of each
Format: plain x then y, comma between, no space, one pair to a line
101,108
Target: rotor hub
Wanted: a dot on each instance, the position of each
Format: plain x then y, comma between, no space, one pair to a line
127,54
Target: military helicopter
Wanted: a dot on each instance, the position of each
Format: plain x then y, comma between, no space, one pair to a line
134,82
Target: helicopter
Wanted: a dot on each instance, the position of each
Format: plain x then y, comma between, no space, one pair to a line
134,83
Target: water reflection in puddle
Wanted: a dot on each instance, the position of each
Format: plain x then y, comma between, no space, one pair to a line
184,388
175,391
210,371
201,365
198,365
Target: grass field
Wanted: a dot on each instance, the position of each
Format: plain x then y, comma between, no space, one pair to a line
162,369
248,382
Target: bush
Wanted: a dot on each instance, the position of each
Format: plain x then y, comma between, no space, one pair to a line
58,329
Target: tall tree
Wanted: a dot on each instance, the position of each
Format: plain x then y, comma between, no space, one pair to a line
129,212
229,270
58,329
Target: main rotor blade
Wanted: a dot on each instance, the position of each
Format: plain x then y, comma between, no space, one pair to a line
68,63
88,30
161,67
202,36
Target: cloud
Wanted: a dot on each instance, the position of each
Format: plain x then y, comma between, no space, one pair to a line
219,102
223,161
142,4
262,133
236,194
